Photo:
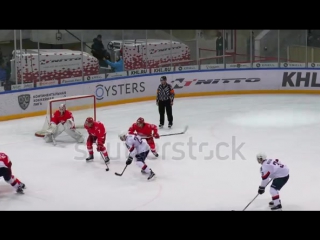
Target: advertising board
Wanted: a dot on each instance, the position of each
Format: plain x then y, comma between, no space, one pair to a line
47,83
223,81
144,87
187,68
35,100
94,77
304,79
22,86
116,74
71,80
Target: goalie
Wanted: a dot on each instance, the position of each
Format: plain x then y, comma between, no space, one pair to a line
62,120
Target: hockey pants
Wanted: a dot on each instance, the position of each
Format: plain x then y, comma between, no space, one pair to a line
9,178
152,144
93,139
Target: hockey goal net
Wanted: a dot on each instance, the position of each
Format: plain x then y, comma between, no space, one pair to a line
81,106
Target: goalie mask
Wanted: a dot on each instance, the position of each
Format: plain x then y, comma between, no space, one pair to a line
89,122
62,108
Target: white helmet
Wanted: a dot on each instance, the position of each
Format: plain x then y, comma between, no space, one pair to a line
123,136
261,157
62,108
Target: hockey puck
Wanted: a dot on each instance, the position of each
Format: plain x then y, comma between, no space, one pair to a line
107,169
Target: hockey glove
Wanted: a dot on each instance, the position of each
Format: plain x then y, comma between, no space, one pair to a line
129,161
100,148
156,135
261,190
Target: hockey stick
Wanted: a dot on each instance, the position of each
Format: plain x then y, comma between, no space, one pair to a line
120,174
179,133
255,197
170,134
107,169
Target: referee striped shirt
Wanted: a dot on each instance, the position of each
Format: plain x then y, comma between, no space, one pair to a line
165,92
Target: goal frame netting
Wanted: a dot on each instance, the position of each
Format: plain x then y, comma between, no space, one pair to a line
51,109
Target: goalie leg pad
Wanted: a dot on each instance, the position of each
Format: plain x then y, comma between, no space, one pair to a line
75,135
48,138
72,132
53,131
52,128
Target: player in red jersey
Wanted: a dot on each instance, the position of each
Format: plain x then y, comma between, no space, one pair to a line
6,173
97,134
62,120
147,131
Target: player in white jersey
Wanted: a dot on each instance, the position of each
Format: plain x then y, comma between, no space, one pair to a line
138,148
273,169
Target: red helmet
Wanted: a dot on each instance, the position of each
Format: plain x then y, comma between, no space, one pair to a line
140,122
89,122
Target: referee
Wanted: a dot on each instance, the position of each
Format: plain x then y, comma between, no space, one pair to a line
165,97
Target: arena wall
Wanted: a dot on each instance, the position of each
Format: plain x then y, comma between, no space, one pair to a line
128,89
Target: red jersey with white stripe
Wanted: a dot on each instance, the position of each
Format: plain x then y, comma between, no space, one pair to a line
98,130
147,129
5,161
58,118
271,169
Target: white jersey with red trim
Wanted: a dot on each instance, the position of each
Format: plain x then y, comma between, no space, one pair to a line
271,169
134,142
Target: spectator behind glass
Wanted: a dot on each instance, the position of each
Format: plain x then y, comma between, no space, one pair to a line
219,47
116,66
3,73
98,49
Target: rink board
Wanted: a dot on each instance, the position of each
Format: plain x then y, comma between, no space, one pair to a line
33,102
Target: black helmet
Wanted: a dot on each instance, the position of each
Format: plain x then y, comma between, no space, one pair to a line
163,78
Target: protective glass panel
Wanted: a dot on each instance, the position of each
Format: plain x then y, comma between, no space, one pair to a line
293,48
7,66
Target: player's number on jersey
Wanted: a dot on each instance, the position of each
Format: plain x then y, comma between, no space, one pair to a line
138,140
276,162
3,156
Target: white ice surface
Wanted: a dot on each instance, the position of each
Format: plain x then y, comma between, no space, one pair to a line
282,126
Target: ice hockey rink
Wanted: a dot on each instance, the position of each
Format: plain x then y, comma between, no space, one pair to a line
282,126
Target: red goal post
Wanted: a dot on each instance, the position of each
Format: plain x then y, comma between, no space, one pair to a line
82,106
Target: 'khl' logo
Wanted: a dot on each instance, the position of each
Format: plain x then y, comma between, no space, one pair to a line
24,101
